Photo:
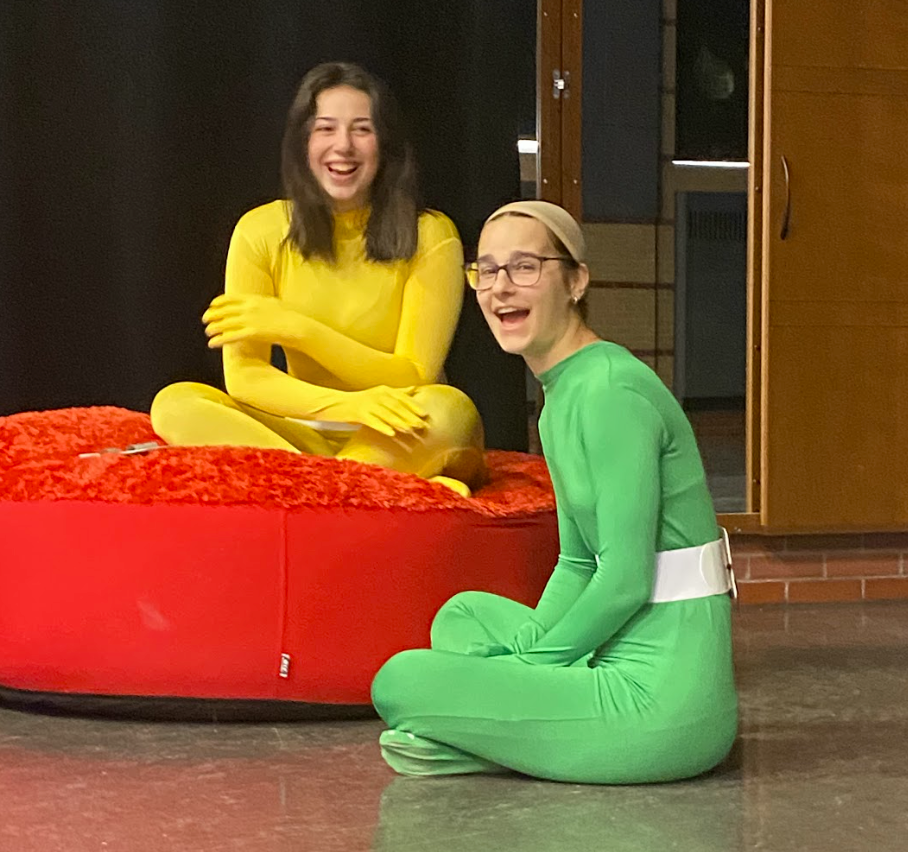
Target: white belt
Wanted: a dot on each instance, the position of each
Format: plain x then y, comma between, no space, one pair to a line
694,572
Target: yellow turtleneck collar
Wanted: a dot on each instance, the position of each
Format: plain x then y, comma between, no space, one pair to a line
351,224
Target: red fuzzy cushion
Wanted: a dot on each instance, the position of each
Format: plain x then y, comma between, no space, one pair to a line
39,460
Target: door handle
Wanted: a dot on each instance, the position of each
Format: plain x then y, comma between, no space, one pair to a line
786,216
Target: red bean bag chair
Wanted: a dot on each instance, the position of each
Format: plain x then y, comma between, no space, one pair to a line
254,576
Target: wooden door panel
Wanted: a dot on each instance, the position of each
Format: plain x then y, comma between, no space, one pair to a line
847,33
837,437
849,197
548,110
834,399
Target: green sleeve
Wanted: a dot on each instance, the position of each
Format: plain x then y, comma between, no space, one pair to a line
570,577
619,447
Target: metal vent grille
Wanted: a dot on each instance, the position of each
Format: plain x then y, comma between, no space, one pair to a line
716,225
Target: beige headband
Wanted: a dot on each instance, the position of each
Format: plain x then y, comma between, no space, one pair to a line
555,218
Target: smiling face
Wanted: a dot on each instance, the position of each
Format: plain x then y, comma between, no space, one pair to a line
343,147
539,322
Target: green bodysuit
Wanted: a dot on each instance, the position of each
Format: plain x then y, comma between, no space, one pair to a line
596,684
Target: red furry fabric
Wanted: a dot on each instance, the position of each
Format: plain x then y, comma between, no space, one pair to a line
39,460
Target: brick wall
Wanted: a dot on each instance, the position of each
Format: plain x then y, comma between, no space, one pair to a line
816,569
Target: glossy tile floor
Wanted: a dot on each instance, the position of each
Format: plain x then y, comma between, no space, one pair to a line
821,764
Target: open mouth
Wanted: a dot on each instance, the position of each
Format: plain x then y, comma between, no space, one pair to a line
511,317
341,171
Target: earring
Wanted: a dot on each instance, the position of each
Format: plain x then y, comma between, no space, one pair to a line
575,299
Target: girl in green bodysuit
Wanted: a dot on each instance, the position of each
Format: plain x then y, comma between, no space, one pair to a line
604,681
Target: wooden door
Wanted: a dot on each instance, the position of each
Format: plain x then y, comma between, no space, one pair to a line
600,117
835,266
558,93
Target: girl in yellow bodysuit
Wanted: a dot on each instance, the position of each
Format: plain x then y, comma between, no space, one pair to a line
360,289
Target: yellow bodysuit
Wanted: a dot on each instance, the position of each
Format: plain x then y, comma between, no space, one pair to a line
361,325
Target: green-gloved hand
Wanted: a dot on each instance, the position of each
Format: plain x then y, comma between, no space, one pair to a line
526,636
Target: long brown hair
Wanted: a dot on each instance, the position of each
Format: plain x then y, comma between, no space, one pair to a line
391,232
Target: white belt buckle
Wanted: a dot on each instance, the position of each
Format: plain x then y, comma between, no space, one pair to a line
728,564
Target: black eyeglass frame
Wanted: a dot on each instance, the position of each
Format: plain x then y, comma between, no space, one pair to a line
472,270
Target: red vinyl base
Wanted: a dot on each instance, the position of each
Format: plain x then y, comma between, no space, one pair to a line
150,584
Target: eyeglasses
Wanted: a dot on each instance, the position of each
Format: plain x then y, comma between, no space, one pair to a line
524,271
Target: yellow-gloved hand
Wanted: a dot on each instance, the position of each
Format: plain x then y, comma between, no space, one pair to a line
231,319
386,410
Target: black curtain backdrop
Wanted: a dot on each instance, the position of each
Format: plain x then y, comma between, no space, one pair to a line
134,135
